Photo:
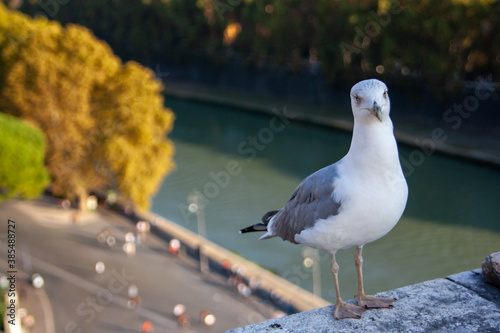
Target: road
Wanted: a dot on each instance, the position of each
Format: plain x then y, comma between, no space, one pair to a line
83,300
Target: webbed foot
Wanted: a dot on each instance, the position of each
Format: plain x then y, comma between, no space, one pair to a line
345,310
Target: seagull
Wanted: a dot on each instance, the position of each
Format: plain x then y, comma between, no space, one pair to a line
352,202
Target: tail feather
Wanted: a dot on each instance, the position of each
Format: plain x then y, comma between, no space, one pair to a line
260,226
267,216
255,227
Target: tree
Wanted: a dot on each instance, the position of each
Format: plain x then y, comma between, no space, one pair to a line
133,119
65,81
432,43
22,148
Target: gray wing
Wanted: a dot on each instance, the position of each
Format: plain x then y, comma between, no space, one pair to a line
311,201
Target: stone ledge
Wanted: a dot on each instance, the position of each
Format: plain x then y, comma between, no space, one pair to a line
472,280
455,304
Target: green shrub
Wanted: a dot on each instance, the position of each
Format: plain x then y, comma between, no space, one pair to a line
22,149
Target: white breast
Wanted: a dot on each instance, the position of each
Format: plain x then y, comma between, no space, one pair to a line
373,197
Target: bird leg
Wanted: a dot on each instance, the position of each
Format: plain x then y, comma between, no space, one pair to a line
342,309
368,302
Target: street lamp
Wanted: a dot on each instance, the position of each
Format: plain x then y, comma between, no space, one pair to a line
196,206
311,260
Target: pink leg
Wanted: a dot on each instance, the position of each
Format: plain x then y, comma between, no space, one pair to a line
368,302
342,309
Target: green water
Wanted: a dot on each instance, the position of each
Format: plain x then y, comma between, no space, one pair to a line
246,164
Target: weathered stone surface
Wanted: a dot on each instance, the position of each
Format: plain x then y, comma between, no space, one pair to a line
473,280
439,305
491,269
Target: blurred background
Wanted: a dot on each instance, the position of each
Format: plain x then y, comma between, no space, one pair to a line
100,85
301,50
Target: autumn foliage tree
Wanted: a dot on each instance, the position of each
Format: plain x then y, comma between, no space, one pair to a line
104,121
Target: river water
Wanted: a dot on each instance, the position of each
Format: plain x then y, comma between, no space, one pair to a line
244,164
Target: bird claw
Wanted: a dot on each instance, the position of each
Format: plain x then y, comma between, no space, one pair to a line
376,302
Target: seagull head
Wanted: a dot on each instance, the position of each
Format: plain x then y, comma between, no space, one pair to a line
370,101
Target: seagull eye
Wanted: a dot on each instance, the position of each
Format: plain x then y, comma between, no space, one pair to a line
356,98
385,93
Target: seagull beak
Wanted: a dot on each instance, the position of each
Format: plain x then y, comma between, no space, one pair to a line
376,110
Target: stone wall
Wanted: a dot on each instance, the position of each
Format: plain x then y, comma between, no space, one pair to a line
459,303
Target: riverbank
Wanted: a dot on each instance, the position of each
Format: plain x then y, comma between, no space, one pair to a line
462,302
425,138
